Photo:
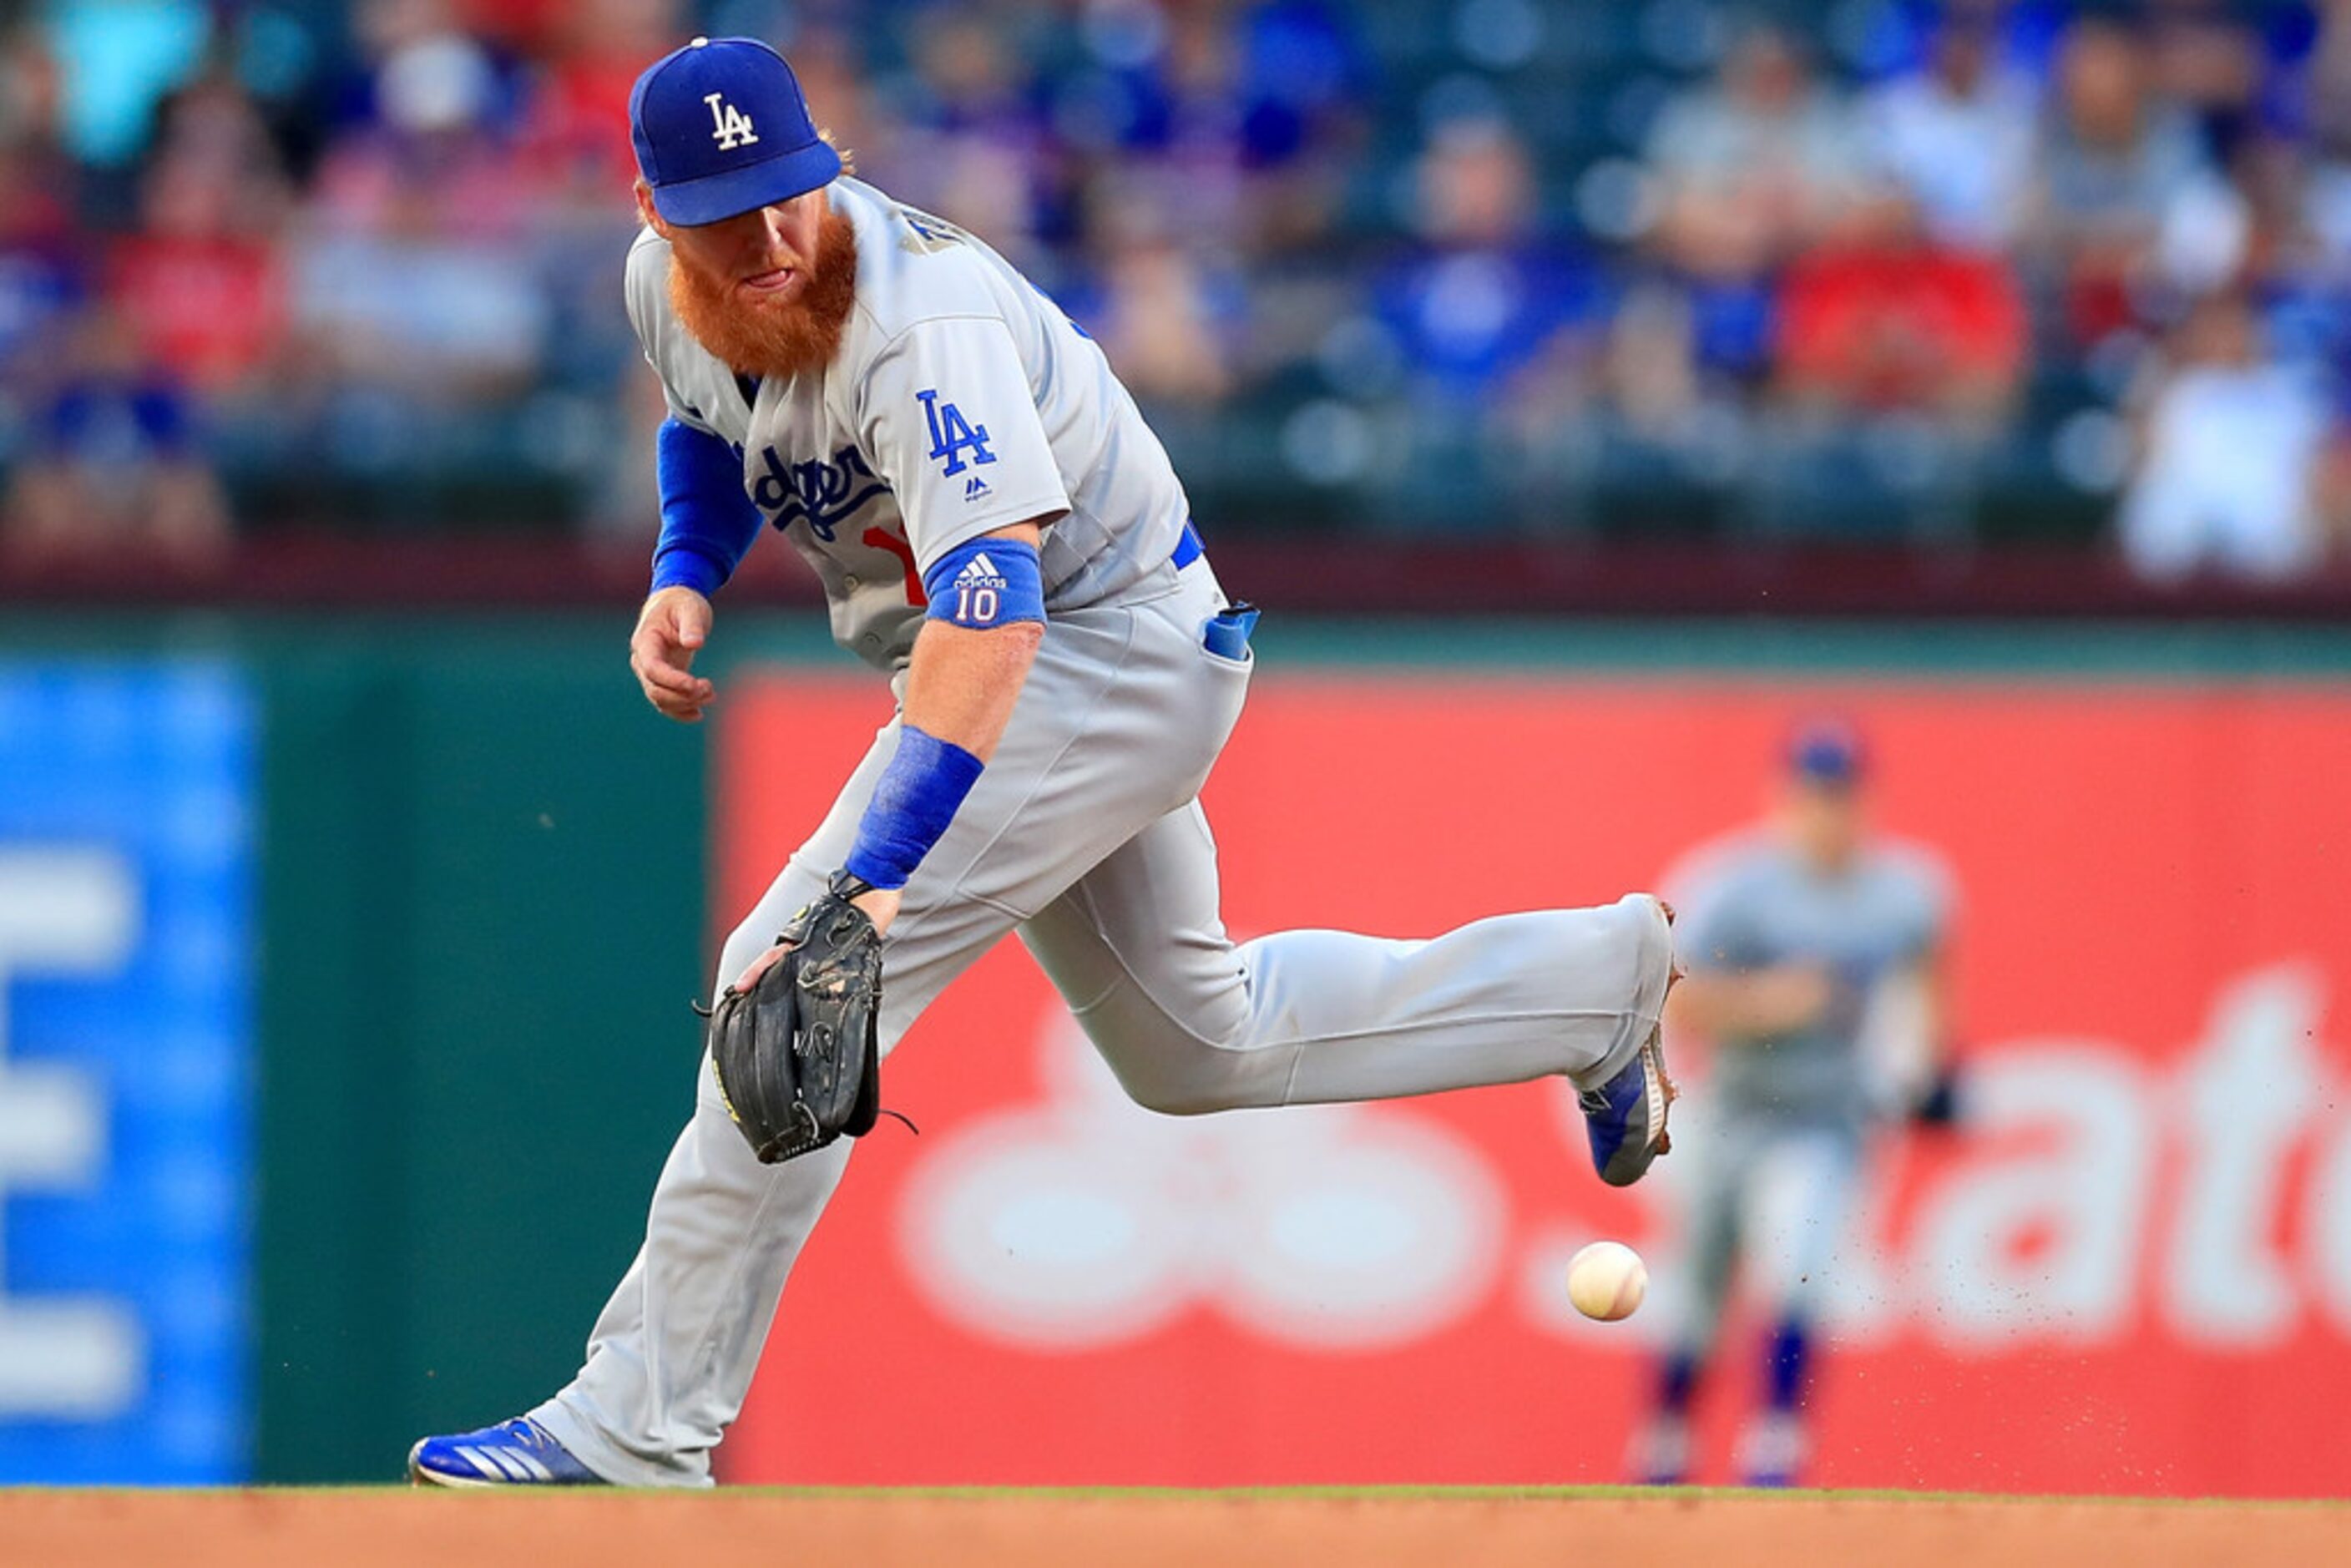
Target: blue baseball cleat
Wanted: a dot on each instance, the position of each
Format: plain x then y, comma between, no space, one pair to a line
1772,1450
518,1453
1626,1115
1660,1453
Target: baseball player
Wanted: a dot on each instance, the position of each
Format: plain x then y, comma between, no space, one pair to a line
1815,953
999,533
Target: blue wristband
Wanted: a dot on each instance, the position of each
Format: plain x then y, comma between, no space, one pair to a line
918,796
707,517
987,582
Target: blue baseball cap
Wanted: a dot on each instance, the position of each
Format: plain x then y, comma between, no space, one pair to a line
1828,752
721,128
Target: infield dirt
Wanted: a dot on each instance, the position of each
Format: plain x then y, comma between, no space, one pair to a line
381,1529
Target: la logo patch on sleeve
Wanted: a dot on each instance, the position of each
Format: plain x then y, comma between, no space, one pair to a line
952,436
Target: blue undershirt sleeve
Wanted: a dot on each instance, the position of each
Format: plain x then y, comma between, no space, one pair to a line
707,519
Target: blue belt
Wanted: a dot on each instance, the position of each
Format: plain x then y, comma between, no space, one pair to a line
1187,547
1227,631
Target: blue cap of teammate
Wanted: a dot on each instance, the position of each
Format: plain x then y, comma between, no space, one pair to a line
1826,751
721,128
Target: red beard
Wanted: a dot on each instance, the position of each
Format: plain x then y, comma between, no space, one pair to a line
773,341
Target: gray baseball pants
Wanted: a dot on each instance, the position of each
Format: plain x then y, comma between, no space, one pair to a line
1085,836
1770,1193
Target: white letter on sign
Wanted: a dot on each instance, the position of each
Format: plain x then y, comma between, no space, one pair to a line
62,912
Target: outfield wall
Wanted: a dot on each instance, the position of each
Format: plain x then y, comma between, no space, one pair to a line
2128,1272
342,1107
457,919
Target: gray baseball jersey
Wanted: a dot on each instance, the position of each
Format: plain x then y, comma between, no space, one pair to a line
1084,834
1756,904
963,401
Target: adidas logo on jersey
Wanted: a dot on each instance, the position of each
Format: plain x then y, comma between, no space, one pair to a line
975,488
980,573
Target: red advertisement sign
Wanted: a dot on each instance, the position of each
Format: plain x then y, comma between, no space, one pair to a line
2131,1273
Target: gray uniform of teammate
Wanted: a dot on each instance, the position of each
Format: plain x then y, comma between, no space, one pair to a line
963,401
1786,1113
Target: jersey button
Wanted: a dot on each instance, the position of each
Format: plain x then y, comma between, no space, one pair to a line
850,582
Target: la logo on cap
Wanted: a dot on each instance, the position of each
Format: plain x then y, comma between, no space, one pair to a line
729,126
720,128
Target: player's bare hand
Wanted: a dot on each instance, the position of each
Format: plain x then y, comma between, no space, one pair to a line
671,629
880,906
768,959
1795,995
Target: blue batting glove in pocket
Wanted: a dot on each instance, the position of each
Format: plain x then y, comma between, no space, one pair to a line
1227,634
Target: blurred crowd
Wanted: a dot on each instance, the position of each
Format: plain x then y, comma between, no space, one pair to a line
1947,274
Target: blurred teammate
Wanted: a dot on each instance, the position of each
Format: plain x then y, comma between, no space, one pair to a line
999,534
1814,950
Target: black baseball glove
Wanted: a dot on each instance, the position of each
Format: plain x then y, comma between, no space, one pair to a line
797,1056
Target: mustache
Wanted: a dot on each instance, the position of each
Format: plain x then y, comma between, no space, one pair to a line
772,339
775,263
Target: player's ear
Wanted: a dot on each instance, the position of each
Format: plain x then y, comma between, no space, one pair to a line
653,219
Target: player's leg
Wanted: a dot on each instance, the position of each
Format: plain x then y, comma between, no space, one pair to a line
672,1355
1192,1023
1708,1197
1099,744
1797,1202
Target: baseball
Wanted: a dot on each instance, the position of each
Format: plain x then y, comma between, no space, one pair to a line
1606,1281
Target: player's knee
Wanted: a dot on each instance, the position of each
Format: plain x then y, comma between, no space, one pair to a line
1166,1068
1178,1097
1187,1083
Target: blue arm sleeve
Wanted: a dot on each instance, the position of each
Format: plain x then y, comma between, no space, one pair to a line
918,795
707,518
